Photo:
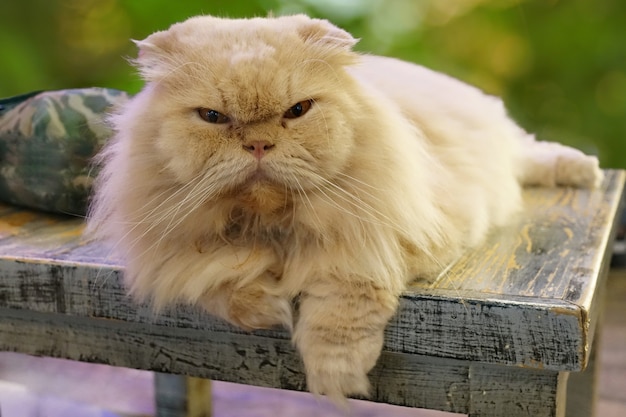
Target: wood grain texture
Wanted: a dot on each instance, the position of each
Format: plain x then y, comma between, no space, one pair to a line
523,305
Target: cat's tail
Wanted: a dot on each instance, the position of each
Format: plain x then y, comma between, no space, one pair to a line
552,164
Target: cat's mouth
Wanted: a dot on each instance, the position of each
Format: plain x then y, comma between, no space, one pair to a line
258,175
257,179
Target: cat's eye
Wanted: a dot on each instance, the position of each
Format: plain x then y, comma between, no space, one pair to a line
298,109
212,116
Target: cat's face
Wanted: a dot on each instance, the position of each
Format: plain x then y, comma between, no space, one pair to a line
252,105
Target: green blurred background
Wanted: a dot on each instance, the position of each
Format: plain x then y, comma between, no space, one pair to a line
560,65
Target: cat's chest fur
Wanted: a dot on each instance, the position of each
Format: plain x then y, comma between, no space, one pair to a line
263,215
246,227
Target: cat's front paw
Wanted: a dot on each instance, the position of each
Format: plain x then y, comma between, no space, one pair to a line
337,366
254,308
340,335
336,382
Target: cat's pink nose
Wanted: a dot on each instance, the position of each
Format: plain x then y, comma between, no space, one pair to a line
258,148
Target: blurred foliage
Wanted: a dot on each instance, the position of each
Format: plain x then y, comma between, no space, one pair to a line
560,65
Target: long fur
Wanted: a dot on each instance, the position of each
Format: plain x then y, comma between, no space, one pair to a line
393,173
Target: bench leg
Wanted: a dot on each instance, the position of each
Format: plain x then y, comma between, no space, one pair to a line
182,396
582,388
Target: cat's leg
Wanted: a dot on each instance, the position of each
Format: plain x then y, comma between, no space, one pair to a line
339,334
551,164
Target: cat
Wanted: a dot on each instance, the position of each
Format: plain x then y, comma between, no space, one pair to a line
266,160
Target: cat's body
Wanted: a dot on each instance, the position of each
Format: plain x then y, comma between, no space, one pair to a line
265,160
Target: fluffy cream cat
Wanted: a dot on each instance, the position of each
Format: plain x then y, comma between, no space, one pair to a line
265,160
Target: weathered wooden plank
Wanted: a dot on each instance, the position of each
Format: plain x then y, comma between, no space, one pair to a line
408,380
242,358
544,334
516,331
401,379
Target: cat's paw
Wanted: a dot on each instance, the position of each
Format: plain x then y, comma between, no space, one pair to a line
337,366
254,308
578,170
551,164
337,382
340,333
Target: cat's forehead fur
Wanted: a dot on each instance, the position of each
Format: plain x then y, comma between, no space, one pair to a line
258,60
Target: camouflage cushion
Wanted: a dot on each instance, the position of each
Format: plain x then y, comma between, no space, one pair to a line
46,142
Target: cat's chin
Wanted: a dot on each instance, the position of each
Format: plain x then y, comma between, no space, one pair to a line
260,193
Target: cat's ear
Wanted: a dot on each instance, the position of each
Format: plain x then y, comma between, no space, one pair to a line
325,36
322,32
153,59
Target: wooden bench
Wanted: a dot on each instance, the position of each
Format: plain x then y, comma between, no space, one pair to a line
508,331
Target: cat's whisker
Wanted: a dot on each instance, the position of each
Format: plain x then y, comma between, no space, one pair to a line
356,185
356,201
291,201
173,190
307,204
204,189
444,275
201,198
361,182
358,208
150,216
198,196
353,213
155,217
177,190
376,216
190,196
